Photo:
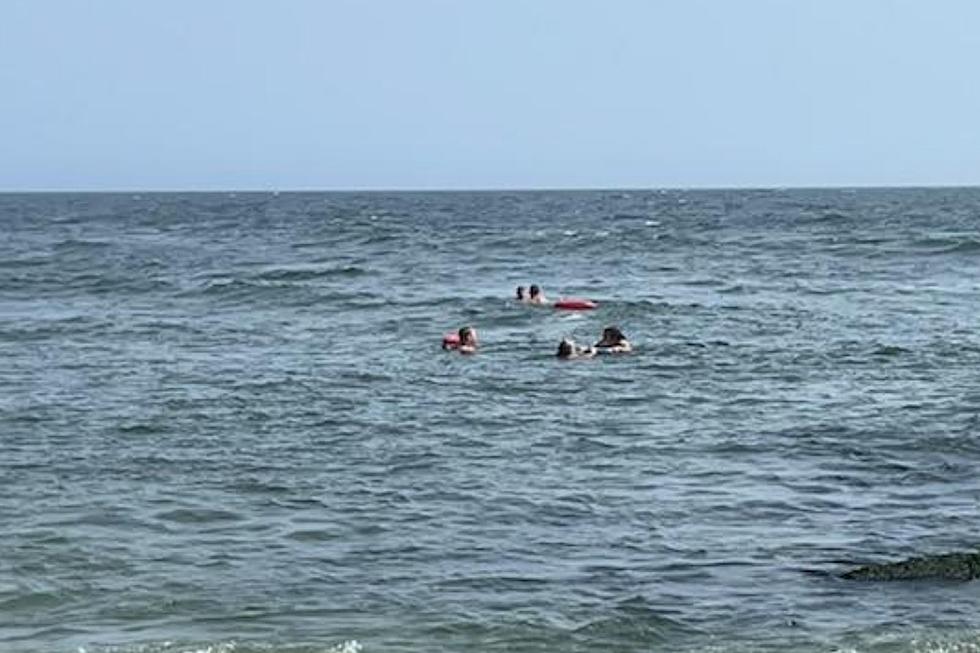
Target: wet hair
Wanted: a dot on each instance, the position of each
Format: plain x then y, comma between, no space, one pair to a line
612,333
520,292
535,291
565,349
464,333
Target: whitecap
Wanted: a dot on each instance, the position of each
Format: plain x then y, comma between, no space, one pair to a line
350,646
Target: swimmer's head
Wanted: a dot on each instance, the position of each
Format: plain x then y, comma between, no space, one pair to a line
612,334
535,291
520,292
566,348
467,336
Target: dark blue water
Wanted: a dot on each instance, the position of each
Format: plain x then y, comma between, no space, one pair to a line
226,423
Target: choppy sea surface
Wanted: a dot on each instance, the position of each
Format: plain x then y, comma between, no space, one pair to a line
226,423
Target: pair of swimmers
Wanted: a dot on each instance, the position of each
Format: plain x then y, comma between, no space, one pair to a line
613,341
532,296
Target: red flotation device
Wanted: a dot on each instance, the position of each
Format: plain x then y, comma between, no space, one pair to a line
575,304
450,340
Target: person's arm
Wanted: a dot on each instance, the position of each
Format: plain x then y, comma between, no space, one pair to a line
467,349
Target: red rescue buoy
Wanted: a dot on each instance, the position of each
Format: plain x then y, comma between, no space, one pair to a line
575,304
450,340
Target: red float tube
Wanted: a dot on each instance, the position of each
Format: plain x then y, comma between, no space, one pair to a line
450,340
575,304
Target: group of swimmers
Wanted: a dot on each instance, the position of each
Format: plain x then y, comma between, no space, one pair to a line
613,341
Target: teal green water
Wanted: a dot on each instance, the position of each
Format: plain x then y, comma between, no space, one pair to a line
226,423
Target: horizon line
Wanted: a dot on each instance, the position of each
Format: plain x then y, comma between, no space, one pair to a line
486,189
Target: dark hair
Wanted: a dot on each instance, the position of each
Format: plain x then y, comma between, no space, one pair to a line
613,333
565,349
463,332
520,292
535,291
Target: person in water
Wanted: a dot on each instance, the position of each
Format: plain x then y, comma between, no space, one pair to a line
521,297
467,341
535,296
613,342
568,349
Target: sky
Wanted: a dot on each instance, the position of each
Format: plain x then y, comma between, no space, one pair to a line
460,94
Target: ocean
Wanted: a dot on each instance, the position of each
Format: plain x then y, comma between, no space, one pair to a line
226,422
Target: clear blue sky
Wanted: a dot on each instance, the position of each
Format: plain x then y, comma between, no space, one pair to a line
328,94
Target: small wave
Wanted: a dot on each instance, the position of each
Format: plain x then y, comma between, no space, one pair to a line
952,244
91,279
312,535
230,646
969,246
25,261
379,238
703,282
244,291
734,289
37,330
832,217
306,274
814,290
198,515
633,620
73,244
140,428
890,350
32,602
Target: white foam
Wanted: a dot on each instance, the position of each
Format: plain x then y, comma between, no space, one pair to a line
224,647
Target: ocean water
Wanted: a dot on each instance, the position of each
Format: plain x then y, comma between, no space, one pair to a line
226,423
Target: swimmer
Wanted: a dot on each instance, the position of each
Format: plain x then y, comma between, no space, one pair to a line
467,340
521,297
567,349
536,297
613,342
